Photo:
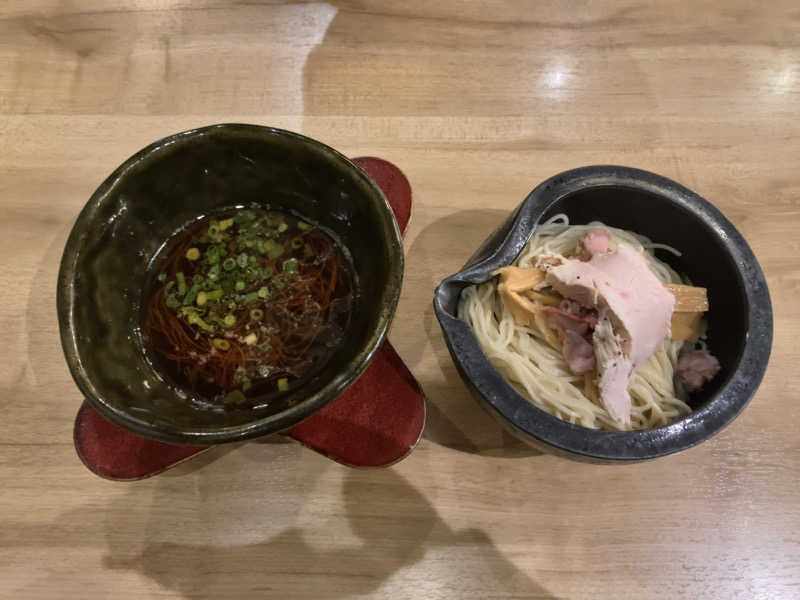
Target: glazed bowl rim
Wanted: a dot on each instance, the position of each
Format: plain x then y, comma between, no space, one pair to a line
274,423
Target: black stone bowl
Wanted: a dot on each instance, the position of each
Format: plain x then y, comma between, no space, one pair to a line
715,256
106,265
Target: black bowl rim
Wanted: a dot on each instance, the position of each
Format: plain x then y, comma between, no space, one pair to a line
273,423
533,424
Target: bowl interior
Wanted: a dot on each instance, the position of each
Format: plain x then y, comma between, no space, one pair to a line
106,269
704,260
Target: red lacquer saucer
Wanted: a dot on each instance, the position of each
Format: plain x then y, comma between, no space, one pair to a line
376,422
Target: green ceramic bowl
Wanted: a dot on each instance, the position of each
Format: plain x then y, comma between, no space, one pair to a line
157,192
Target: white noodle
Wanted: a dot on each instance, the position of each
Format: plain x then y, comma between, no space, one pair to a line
538,371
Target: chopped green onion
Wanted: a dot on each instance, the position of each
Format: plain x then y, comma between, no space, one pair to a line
250,339
229,264
239,285
229,320
273,249
162,277
214,294
202,297
267,272
172,301
235,397
192,254
263,292
279,284
197,279
241,260
263,370
283,384
296,243
212,255
252,260
221,344
191,295
169,286
213,229
302,225
256,314
213,272
250,298
282,227
225,223
194,319
181,283
290,266
246,385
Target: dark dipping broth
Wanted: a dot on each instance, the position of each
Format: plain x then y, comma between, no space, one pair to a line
248,303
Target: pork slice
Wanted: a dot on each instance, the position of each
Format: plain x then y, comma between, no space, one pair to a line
574,323
620,285
634,314
578,352
615,369
594,242
696,368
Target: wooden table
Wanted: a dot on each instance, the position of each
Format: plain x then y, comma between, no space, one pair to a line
477,102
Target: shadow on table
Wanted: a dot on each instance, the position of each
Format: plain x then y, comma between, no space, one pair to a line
455,420
390,526
190,537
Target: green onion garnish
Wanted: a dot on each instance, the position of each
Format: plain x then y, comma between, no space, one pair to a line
221,344
162,277
273,249
172,301
302,225
267,272
192,254
194,319
235,397
256,314
296,243
229,264
181,283
191,295
241,260
263,292
283,384
290,266
250,298
229,320
214,294
239,285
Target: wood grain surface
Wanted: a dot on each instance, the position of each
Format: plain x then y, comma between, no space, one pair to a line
477,102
